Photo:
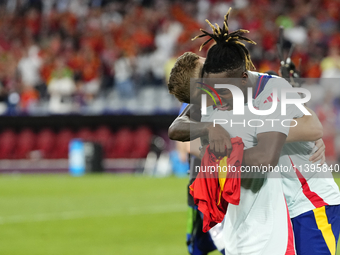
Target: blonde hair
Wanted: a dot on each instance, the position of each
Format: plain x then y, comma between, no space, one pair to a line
186,67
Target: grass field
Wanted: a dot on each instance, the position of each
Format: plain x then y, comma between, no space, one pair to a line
94,214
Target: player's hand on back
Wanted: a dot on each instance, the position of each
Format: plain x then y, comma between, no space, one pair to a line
319,153
219,140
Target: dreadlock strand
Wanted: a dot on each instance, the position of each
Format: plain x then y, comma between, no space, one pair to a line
218,29
237,32
229,52
250,63
226,28
212,26
198,36
205,32
247,62
232,40
246,39
246,51
226,17
205,43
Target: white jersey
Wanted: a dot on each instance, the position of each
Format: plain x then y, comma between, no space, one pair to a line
260,224
304,188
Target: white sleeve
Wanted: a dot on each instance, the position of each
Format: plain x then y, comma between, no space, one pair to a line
276,121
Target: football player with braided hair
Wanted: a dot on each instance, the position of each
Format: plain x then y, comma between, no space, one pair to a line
313,202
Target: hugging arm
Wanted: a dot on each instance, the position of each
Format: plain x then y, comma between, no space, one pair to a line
187,127
269,146
308,128
266,152
179,130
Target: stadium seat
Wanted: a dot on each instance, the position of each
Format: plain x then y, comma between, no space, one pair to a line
25,144
8,141
123,144
142,139
46,142
63,139
85,134
104,136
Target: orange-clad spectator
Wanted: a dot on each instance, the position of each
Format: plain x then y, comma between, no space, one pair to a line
68,23
332,8
91,65
266,65
269,41
313,69
143,37
298,54
90,73
29,95
52,20
47,70
94,40
76,62
33,21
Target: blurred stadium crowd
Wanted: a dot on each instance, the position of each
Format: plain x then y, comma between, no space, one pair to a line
114,56
94,56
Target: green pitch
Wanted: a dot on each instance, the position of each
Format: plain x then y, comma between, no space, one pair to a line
94,214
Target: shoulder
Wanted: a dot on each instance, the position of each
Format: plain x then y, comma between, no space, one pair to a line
278,82
274,83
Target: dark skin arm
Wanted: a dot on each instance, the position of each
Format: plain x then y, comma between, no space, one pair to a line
179,130
267,151
187,127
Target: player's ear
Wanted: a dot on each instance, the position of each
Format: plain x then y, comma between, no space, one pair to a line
244,78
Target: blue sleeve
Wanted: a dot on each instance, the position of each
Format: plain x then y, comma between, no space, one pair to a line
182,108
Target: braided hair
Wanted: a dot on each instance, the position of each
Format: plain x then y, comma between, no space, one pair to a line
229,53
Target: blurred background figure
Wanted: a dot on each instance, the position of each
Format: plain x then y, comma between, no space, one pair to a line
327,114
61,87
124,83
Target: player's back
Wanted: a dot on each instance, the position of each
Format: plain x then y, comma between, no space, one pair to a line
318,178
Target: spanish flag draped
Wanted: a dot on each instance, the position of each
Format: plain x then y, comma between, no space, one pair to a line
217,184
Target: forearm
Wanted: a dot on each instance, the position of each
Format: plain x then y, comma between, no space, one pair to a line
185,129
253,157
266,152
257,157
308,128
